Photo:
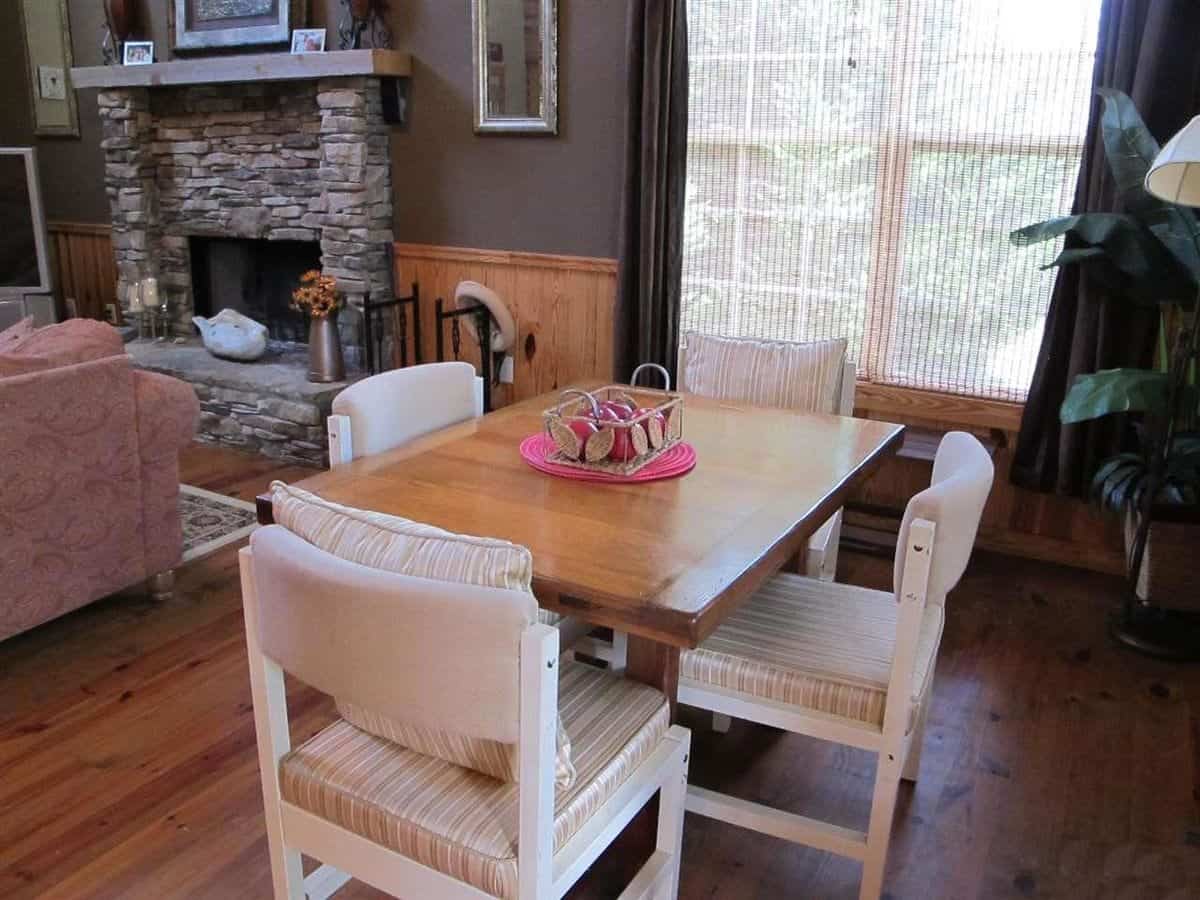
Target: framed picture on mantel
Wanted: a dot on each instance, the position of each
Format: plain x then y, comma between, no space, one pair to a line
202,24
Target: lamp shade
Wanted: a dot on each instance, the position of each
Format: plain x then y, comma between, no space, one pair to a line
1175,175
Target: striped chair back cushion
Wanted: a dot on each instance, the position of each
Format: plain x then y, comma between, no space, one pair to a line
437,654
780,374
404,547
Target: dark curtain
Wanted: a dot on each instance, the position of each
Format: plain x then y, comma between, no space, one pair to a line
1150,49
651,263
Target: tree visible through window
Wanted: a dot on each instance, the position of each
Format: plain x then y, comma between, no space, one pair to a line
855,167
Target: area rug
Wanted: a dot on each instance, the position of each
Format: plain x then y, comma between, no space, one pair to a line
211,521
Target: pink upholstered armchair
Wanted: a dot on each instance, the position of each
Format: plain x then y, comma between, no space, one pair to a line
89,472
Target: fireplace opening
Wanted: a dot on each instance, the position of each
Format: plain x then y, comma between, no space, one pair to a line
254,277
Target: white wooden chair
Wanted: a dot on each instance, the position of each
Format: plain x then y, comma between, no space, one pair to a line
818,561
465,661
392,408
820,558
847,664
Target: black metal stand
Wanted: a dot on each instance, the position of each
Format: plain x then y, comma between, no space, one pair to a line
483,328
373,329
1162,633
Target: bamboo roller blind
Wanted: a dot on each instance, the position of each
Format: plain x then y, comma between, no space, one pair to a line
855,167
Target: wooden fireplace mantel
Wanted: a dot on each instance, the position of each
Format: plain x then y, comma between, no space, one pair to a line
253,67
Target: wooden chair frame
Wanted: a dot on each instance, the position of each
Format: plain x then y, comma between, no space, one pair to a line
898,748
542,873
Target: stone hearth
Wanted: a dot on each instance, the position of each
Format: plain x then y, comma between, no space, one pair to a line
268,407
304,160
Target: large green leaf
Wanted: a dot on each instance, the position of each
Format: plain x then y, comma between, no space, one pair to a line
1178,229
1051,229
1115,391
1129,147
1131,261
1071,256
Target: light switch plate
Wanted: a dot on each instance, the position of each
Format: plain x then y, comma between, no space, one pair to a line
52,82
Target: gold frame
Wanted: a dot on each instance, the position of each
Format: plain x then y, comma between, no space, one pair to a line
63,28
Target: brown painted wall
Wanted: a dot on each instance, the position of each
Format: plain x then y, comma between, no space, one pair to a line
540,194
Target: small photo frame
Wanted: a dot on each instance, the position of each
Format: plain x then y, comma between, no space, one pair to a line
308,40
138,53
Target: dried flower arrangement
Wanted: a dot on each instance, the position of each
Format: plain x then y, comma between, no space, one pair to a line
317,295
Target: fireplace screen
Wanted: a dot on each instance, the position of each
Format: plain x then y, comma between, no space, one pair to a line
254,277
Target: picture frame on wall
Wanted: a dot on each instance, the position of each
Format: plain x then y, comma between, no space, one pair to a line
203,24
46,25
138,53
308,40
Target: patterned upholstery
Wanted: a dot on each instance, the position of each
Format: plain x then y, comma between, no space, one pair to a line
455,820
403,547
14,333
69,342
90,456
816,645
12,365
781,374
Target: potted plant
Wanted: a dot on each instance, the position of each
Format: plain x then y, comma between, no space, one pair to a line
319,299
1148,255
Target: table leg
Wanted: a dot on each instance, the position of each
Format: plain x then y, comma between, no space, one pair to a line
657,665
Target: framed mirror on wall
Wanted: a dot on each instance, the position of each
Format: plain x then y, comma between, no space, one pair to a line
516,66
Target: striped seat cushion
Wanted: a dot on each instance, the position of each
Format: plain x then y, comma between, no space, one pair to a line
457,821
405,547
821,646
782,374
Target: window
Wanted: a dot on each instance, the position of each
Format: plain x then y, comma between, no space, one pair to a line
855,167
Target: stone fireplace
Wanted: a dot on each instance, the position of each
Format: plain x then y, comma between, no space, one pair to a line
294,161
253,277
227,178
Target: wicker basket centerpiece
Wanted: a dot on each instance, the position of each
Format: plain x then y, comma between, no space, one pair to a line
616,429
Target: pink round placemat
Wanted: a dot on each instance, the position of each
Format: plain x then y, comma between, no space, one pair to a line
679,460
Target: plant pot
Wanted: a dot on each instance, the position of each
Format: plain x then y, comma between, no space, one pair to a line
325,362
1170,575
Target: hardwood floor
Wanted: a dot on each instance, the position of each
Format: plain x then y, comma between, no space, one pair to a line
1055,766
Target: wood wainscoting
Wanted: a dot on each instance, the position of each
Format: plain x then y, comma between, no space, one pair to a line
1016,521
563,307
85,270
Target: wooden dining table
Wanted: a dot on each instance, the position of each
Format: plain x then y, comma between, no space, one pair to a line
664,561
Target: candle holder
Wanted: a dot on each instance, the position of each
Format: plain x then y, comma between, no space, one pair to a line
149,308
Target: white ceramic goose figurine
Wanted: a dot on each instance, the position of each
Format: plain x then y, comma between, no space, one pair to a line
231,335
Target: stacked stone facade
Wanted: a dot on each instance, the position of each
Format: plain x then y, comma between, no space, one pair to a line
269,407
296,160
